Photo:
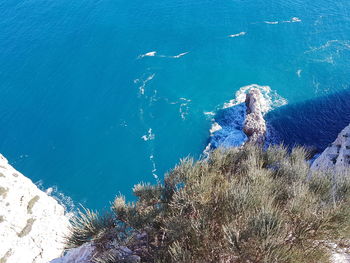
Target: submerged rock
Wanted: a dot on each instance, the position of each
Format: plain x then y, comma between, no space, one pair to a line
32,224
254,125
337,155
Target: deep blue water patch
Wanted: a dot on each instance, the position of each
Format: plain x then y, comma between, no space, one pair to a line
315,122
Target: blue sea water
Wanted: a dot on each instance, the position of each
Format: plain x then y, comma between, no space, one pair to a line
98,95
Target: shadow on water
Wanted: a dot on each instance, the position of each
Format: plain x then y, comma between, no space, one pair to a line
231,122
314,123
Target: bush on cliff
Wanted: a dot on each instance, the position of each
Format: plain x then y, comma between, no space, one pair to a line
239,205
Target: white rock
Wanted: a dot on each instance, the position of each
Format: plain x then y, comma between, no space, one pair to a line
337,155
340,258
81,254
32,224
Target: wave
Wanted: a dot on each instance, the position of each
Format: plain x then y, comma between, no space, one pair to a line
155,54
64,200
227,125
148,54
271,99
238,34
299,73
271,22
180,55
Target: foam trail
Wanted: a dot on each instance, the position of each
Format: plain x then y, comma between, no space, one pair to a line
154,167
148,54
64,200
183,108
155,54
181,55
292,20
238,34
143,83
176,56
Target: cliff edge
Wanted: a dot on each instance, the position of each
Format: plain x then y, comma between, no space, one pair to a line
32,224
337,155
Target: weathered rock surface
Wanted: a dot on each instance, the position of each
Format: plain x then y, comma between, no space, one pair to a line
337,155
32,224
86,253
254,125
81,254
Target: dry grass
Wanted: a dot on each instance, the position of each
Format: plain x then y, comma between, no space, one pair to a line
239,205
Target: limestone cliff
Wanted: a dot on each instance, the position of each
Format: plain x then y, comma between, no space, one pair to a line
32,224
337,155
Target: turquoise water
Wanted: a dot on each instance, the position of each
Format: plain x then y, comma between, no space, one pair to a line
82,108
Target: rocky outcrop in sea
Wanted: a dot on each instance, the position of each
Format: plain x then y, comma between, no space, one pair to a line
254,125
32,223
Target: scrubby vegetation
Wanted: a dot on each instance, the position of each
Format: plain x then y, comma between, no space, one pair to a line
239,205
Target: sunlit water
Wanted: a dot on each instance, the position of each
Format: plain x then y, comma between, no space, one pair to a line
99,95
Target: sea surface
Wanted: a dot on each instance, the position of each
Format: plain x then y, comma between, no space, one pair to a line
98,95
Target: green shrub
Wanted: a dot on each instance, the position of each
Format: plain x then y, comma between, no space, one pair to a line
240,205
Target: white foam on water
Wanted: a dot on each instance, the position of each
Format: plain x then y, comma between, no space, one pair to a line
296,20
154,167
238,34
330,52
176,56
209,113
338,44
299,73
292,20
148,54
155,54
149,136
184,107
215,127
271,99
180,55
230,132
142,82
64,200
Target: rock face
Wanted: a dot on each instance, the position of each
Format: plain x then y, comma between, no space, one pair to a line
254,125
81,254
86,252
337,155
32,224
